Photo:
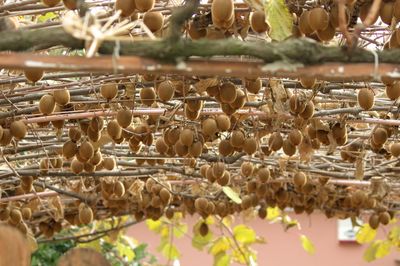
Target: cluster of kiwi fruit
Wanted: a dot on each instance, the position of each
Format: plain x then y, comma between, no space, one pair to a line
17,215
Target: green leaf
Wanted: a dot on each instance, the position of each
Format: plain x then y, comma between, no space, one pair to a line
273,213
279,19
244,234
170,251
369,254
232,194
220,245
222,259
383,249
94,245
307,245
125,251
46,17
365,234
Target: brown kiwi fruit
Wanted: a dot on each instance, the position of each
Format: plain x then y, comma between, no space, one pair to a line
334,16
386,12
119,189
6,138
47,104
109,91
364,11
246,169
61,97
74,134
225,148
393,91
384,218
297,103
395,149
165,195
86,150
218,169
366,98
263,174
318,19
108,163
275,142
225,179
144,5
201,204
51,3
222,10
339,130
124,118
227,92
181,149
196,33
308,110
203,229
240,99
300,179
257,22
26,213
70,4
237,138
127,7
374,221
186,137
18,129
250,145
209,127
153,20
166,90
33,75
304,23
253,85
327,34
161,146
69,149
308,82
223,122
114,130
380,136
288,148
76,166
96,123
196,149
85,214
147,96
295,137
96,159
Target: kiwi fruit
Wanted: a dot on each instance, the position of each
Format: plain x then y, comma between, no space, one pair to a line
295,137
71,4
250,146
74,134
203,229
364,11
246,169
144,5
275,142
153,20
384,218
26,213
96,124
61,97
318,19
218,169
124,118
374,221
33,75
246,202
76,166
147,96
334,16
395,149
15,216
69,149
393,91
18,129
47,104
263,174
386,12
288,148
161,145
127,7
379,136
196,33
201,204
109,91
223,122
237,138
227,92
339,130
209,127
51,3
119,189
56,162
225,179
114,130
222,10
108,163
304,23
181,149
85,214
196,149
6,137
327,34
240,99
300,179
366,98
86,150
253,85
297,103
225,148
257,22
186,137
165,91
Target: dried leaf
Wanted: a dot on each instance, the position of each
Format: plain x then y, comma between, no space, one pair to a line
202,85
57,207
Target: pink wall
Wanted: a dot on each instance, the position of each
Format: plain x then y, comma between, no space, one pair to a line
282,248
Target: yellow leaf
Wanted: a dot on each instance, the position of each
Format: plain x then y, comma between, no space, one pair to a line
154,226
222,259
232,194
279,19
307,245
244,234
365,234
383,249
369,254
32,242
170,251
94,245
220,245
273,213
